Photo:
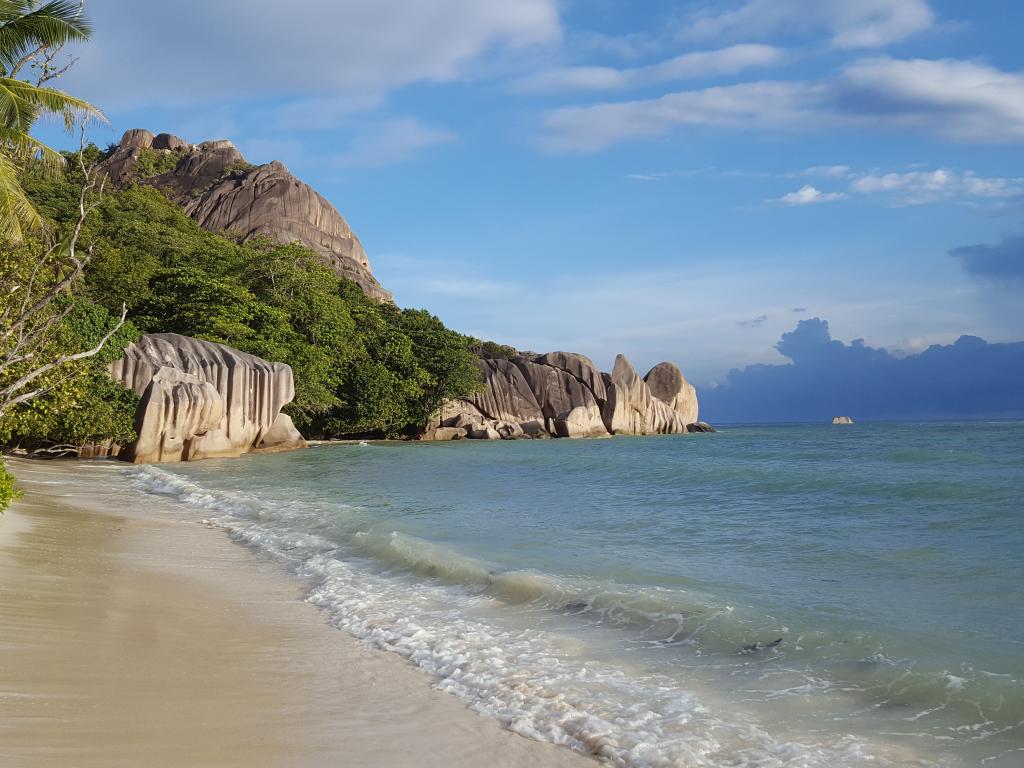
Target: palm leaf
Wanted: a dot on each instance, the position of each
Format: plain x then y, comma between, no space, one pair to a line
17,214
21,104
24,28
24,150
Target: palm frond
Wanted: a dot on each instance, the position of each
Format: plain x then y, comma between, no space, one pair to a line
24,28
17,214
25,150
21,104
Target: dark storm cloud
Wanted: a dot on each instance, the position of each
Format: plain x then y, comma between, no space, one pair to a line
1002,264
967,379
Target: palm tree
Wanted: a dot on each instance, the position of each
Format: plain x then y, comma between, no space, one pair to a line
27,31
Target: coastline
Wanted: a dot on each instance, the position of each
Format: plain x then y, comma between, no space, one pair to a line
135,640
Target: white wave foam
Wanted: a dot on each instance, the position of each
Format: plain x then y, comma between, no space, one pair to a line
524,678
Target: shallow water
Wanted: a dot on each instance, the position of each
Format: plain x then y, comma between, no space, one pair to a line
621,596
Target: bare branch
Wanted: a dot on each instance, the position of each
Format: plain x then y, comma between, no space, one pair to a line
8,396
70,244
25,60
49,71
41,59
28,322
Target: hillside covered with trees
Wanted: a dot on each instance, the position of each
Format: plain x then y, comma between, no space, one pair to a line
88,264
361,367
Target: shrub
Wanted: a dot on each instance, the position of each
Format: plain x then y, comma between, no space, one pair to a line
153,162
8,492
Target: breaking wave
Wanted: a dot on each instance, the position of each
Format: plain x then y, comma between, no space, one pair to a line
519,645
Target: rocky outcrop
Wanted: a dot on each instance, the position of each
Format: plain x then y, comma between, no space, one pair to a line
581,421
223,193
120,166
842,420
443,434
200,170
507,395
203,400
170,142
668,384
579,367
562,394
700,426
631,409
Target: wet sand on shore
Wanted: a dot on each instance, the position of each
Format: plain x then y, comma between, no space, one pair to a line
131,641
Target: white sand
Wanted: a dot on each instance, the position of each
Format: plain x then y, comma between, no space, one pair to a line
130,641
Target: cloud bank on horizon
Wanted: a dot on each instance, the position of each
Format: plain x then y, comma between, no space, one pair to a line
666,180
968,379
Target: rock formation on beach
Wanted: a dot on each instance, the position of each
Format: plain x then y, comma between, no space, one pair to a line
217,188
563,394
203,400
668,384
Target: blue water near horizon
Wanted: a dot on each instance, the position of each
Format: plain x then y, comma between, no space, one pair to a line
622,596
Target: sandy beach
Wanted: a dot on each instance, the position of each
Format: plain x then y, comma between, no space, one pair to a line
127,640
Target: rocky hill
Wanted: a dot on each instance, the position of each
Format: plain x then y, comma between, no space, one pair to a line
222,192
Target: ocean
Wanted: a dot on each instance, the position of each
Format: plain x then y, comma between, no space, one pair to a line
798,595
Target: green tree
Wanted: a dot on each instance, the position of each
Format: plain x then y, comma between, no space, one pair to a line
80,403
446,358
8,492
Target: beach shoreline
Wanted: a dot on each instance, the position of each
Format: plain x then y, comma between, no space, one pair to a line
137,640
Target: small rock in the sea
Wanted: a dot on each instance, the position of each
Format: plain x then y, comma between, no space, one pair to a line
759,646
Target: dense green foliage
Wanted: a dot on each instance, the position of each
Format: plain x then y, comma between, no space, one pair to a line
8,492
153,162
80,403
490,350
360,367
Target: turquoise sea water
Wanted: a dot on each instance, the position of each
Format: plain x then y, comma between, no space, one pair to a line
622,596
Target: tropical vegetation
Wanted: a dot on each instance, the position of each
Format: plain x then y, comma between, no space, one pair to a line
36,312
360,367
30,35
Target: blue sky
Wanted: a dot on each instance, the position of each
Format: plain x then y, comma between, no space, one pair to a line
671,180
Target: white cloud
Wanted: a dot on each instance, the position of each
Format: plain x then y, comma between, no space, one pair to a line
851,23
960,100
688,66
627,47
828,171
808,195
921,187
243,50
764,104
956,100
322,113
659,175
711,332
390,142
913,187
